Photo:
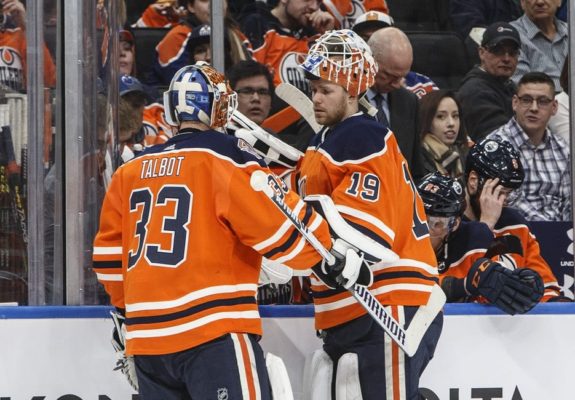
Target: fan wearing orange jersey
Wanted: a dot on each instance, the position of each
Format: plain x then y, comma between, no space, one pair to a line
357,162
180,245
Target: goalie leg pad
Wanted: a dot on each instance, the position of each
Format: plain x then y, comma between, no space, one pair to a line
356,240
318,372
347,384
279,378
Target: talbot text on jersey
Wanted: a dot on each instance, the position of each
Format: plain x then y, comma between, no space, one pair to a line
163,166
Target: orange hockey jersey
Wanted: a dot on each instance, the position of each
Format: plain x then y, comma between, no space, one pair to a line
13,61
511,222
346,12
359,165
181,238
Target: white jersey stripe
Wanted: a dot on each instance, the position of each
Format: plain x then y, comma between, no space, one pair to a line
163,305
110,277
406,262
188,326
252,364
280,232
367,218
105,251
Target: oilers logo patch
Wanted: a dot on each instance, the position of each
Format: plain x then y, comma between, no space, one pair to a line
290,71
11,68
245,146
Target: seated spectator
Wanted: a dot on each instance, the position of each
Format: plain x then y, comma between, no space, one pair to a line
546,193
161,14
280,36
559,123
173,52
366,24
127,60
494,174
544,40
443,136
398,108
199,44
13,65
346,12
130,117
486,91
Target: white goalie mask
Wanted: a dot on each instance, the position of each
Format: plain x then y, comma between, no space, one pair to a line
342,57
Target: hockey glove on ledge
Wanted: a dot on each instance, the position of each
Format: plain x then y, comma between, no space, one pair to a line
349,268
514,292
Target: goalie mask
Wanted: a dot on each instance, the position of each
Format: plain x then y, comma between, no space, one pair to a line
199,93
492,159
342,57
442,195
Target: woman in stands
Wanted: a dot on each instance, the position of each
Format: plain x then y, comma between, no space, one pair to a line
443,137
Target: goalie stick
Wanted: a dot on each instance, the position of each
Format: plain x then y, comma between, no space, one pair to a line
407,339
304,106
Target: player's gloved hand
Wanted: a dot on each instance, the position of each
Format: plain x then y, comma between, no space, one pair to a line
349,268
535,287
125,363
511,291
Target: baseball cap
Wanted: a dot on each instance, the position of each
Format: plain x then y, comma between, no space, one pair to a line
499,31
126,36
199,35
130,84
372,20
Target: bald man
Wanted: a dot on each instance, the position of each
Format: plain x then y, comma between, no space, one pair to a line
398,108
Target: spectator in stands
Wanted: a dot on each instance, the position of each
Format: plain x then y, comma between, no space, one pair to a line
130,116
198,46
253,83
546,193
366,24
559,123
346,12
544,40
398,108
486,91
13,54
127,59
280,35
443,136
173,53
160,14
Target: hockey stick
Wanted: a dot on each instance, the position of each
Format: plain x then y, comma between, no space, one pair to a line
304,106
15,182
300,102
407,339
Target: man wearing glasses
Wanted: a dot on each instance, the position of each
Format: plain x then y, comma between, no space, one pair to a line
546,191
487,89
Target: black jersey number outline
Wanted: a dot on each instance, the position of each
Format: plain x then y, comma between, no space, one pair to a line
367,186
419,227
175,225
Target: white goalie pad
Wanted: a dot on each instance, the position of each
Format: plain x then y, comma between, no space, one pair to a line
273,272
347,385
257,132
342,230
279,378
318,371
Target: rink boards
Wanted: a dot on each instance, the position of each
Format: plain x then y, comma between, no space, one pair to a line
64,353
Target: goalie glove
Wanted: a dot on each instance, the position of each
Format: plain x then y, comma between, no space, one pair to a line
349,268
125,363
512,291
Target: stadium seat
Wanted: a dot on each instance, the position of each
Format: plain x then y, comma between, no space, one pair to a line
146,42
440,55
420,15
